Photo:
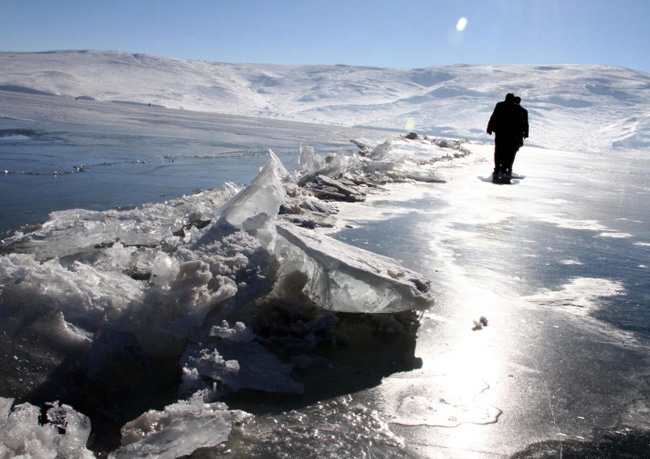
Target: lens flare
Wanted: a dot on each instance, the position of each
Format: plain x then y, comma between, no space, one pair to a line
462,23
410,124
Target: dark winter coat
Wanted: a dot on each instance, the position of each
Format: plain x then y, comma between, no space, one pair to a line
506,121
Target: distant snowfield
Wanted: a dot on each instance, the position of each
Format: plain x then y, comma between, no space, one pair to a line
581,107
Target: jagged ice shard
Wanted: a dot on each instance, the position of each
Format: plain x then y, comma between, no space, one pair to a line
257,203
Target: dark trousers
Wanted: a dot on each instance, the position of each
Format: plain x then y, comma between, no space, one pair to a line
505,149
511,160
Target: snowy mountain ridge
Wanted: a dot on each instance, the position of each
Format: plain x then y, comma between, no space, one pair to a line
584,107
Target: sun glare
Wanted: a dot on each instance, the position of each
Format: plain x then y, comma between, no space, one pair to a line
410,124
462,23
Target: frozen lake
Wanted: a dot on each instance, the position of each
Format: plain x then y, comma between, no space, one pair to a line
557,263
61,153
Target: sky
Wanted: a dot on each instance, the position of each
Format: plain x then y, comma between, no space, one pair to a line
378,33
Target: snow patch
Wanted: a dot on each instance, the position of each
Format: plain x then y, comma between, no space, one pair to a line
581,296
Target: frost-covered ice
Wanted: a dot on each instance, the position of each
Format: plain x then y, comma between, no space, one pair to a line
580,296
311,433
23,434
178,430
235,366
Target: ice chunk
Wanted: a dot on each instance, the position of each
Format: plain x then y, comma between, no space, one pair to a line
240,333
74,429
85,295
163,269
195,297
400,159
5,407
178,430
200,363
63,435
309,160
381,151
184,293
255,205
76,231
240,365
339,277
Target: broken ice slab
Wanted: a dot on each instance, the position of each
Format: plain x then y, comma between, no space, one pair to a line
340,277
381,151
419,177
237,365
180,429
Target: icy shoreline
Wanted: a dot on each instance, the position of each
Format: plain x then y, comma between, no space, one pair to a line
209,273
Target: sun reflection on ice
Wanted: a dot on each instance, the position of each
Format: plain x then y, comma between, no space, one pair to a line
457,387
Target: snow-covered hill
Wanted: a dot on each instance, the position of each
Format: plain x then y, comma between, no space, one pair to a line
583,107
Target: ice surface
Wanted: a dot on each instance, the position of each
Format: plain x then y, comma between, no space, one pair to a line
443,413
317,431
581,296
64,434
178,430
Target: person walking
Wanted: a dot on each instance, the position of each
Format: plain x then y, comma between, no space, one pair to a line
506,123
